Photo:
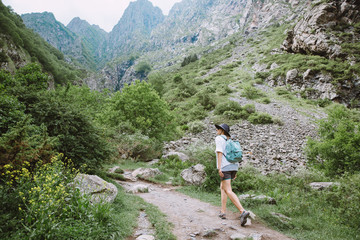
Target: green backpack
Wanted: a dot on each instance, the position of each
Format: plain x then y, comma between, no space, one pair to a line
233,150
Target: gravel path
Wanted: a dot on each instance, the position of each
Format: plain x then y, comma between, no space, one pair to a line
194,219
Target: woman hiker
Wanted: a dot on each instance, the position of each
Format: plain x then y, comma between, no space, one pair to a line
227,172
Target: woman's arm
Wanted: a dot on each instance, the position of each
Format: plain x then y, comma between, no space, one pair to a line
219,158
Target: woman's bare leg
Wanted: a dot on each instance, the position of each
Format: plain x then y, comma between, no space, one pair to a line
226,187
223,199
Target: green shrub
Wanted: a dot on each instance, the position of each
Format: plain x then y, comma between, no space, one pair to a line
185,127
177,79
26,142
251,92
249,108
233,115
281,91
137,146
259,81
157,82
265,100
119,171
196,126
143,68
206,156
33,203
262,75
189,59
227,106
197,112
233,110
323,102
345,198
260,118
336,151
173,167
186,90
116,176
3,57
11,112
206,99
225,90
78,138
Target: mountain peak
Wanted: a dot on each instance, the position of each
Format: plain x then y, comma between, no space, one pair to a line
137,22
47,16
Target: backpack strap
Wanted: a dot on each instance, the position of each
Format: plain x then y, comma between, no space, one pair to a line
224,137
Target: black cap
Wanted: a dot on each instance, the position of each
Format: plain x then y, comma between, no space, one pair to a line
224,127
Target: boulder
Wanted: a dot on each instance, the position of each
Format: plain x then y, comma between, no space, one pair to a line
238,236
194,175
146,172
182,156
282,218
321,185
258,236
99,189
261,198
129,177
140,188
145,237
154,161
210,233
291,76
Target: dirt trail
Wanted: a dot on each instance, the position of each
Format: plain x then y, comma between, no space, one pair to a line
192,218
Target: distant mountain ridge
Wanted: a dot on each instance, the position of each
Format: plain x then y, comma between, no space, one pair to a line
59,36
144,35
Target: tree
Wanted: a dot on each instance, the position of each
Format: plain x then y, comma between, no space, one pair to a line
189,59
157,82
143,68
79,139
140,105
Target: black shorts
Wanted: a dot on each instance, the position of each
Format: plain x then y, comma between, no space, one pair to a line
228,175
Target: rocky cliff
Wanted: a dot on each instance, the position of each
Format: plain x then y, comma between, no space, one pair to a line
132,33
331,30
92,36
325,28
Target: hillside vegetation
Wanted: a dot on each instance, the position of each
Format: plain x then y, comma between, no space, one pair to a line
48,135
21,45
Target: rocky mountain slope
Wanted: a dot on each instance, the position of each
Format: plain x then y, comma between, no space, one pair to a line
93,37
330,30
59,36
131,34
327,29
200,26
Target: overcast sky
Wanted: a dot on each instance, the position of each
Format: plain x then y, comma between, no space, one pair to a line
105,13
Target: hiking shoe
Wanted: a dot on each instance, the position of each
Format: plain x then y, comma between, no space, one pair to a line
222,215
243,217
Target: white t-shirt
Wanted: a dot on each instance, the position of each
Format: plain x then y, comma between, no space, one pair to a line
221,147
